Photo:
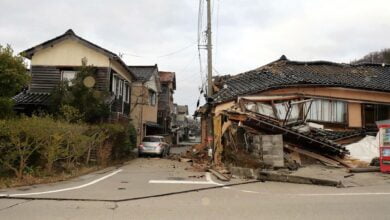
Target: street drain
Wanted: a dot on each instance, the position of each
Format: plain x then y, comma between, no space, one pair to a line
120,188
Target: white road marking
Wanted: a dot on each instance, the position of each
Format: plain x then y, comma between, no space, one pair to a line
65,189
209,179
248,191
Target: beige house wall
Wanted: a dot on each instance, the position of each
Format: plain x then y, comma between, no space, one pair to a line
141,111
352,95
121,70
355,115
69,52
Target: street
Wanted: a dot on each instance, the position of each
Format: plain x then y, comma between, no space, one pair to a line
153,188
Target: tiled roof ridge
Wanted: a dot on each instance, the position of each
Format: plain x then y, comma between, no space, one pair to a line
285,73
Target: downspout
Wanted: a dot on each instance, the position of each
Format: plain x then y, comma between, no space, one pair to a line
142,111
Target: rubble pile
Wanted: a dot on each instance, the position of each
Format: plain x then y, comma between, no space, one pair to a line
253,136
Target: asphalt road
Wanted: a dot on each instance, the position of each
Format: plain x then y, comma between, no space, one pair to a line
152,188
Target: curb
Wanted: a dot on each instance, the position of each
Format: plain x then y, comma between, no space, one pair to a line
248,173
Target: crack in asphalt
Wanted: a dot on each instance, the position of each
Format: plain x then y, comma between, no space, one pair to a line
19,203
129,199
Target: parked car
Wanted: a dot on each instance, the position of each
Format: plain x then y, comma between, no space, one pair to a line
154,145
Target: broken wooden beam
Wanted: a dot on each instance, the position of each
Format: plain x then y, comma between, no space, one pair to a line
219,175
313,155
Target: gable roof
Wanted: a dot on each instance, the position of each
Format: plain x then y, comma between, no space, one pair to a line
284,73
69,34
143,73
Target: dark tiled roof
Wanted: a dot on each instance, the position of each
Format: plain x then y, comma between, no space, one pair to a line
28,98
285,73
143,73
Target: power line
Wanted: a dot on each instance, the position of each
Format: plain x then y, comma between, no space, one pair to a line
163,55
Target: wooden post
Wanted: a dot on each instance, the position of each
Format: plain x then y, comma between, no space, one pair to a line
217,121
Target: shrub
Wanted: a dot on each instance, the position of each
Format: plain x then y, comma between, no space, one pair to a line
89,102
20,138
43,143
6,108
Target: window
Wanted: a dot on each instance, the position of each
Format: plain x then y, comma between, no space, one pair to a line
152,97
114,84
326,111
117,86
68,76
127,92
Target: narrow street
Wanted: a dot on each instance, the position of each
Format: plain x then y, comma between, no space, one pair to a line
153,188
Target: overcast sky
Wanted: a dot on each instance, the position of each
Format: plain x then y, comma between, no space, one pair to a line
247,33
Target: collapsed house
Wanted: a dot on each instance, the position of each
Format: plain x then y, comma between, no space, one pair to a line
303,108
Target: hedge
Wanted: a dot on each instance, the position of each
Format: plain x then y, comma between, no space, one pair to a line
45,143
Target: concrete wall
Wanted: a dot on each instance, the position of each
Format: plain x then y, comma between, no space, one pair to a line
355,115
69,52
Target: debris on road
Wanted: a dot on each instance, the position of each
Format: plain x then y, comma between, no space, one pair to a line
219,175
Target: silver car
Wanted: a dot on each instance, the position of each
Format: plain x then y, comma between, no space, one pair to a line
154,145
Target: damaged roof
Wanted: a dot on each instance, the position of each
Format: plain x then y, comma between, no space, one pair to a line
143,73
285,73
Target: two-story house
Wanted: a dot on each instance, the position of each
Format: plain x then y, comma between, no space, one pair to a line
144,100
165,100
59,58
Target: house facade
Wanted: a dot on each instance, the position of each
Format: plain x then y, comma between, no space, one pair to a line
336,96
144,100
165,100
58,59
182,122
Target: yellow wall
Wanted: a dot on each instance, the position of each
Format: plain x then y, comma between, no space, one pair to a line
69,53
354,115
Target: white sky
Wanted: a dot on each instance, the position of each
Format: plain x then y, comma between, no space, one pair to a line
249,34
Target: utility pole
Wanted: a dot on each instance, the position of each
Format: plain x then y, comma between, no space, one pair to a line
209,52
210,132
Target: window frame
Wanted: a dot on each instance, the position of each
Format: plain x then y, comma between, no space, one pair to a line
70,83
